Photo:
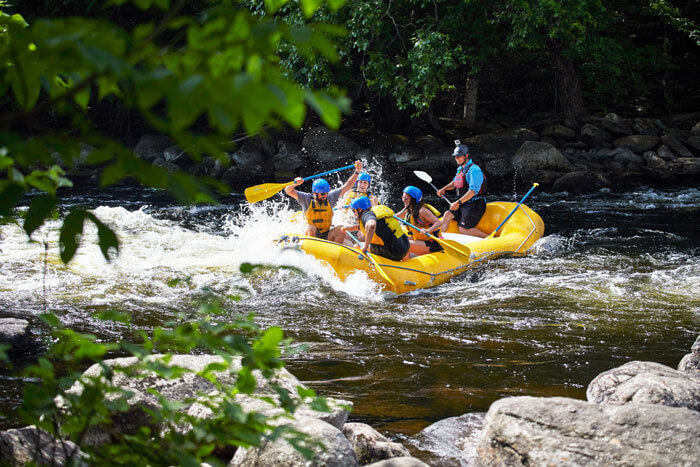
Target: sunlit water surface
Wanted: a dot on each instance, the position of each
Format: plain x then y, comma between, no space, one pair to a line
616,278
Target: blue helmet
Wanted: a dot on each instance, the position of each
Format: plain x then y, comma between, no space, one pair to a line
320,185
414,192
361,202
364,177
460,149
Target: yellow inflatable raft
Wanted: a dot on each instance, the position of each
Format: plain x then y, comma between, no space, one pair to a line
516,236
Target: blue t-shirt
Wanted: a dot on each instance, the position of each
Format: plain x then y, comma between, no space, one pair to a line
474,177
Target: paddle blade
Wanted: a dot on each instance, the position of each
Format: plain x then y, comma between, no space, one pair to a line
266,190
423,176
455,247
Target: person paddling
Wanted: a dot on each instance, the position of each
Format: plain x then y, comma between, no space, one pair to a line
381,233
468,209
318,205
422,215
361,188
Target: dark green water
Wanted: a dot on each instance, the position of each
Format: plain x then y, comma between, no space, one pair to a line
617,278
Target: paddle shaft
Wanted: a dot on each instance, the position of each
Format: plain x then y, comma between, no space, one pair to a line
429,180
440,241
329,172
534,185
266,190
367,255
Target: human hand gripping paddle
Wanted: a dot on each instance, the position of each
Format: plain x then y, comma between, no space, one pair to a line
263,191
371,258
451,244
429,180
493,234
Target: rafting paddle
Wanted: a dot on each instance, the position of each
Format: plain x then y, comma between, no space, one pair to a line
263,191
493,234
372,260
429,180
451,244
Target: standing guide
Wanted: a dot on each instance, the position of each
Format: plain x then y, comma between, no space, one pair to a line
318,205
470,206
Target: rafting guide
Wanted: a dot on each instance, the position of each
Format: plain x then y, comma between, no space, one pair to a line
318,205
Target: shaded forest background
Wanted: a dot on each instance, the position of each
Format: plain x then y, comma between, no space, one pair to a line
419,66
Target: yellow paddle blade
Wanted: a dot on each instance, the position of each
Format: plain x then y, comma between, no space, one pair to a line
381,271
263,191
454,246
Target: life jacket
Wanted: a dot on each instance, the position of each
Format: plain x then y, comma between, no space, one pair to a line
352,194
384,213
416,234
320,215
460,180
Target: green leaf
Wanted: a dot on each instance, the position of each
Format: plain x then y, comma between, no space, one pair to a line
309,7
114,315
39,209
50,320
10,195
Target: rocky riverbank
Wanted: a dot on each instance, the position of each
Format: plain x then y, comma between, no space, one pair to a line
573,156
641,413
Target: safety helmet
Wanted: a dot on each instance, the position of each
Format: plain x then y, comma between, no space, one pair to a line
361,202
320,185
364,177
414,192
460,149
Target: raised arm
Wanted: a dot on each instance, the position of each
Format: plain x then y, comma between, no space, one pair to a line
291,190
353,178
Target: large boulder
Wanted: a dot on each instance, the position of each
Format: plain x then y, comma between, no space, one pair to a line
503,142
151,147
249,156
370,445
184,389
289,160
653,160
329,147
685,166
595,136
690,363
562,431
665,153
399,462
407,154
694,143
676,146
332,449
615,125
30,445
648,126
628,159
637,143
16,333
645,383
536,155
451,441
559,132
580,182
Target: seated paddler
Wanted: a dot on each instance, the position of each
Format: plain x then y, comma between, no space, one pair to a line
381,233
421,215
361,188
318,205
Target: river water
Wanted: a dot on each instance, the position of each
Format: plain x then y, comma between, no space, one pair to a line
616,278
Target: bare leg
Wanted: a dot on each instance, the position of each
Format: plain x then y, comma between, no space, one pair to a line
474,232
336,235
310,231
418,247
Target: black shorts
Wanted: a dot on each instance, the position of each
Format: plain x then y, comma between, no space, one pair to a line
433,246
323,235
396,250
470,213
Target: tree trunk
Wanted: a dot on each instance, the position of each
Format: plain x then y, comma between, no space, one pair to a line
470,96
668,74
569,93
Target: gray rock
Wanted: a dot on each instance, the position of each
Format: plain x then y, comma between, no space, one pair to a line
558,132
150,147
690,363
628,159
498,168
676,146
665,153
645,383
431,145
694,143
248,156
581,182
177,156
534,155
647,126
502,142
326,146
637,143
169,166
337,450
16,333
617,127
289,160
653,160
451,441
27,445
399,462
695,131
370,445
561,431
685,166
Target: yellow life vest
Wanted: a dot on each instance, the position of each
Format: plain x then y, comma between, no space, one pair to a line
415,234
384,212
352,194
320,215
